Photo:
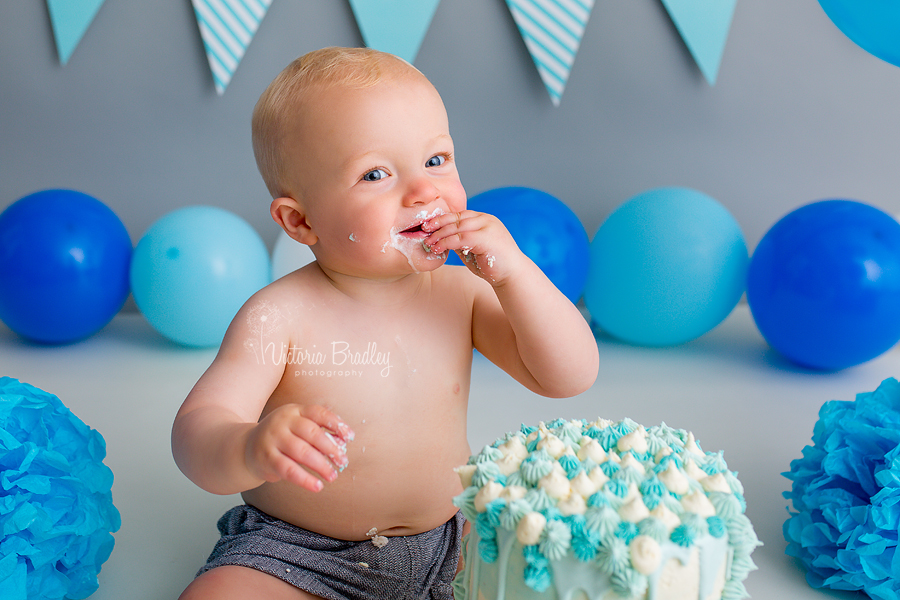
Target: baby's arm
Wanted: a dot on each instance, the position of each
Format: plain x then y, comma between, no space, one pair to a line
219,441
525,325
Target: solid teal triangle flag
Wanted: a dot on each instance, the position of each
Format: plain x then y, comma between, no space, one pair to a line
70,19
704,26
395,26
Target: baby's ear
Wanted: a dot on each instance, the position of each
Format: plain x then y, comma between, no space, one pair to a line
289,214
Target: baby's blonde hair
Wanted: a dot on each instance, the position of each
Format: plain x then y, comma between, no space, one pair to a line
351,67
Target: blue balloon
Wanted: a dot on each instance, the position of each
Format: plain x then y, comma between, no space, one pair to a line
546,231
824,284
193,270
871,24
666,267
64,260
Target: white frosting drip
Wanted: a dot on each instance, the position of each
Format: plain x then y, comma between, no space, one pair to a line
691,445
514,447
509,464
554,446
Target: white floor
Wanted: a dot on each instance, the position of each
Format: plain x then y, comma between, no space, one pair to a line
727,387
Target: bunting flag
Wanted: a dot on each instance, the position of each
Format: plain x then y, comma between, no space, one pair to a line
552,30
704,26
227,28
70,19
394,26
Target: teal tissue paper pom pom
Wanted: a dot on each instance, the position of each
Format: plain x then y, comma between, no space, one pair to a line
56,510
845,493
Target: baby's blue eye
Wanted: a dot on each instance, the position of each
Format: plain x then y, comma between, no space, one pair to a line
375,175
436,161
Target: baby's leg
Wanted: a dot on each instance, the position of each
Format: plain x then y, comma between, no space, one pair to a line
241,583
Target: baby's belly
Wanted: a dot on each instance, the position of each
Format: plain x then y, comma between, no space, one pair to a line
396,490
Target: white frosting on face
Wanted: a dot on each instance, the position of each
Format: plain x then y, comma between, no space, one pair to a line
635,441
409,246
716,483
487,494
698,503
646,554
530,528
634,510
674,479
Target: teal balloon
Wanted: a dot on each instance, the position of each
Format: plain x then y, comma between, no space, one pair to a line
665,267
193,270
874,25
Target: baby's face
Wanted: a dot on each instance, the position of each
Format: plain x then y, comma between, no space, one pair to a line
371,165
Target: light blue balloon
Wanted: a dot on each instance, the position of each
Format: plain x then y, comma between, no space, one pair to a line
874,25
193,270
666,267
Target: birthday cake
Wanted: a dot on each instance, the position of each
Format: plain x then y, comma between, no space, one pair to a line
572,510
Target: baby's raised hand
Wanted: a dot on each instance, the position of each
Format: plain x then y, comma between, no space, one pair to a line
481,241
295,443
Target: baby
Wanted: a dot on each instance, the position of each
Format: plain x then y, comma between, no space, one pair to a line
355,148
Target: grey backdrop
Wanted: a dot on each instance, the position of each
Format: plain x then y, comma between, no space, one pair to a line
799,113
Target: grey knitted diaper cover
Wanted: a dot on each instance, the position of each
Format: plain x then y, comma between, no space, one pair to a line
412,567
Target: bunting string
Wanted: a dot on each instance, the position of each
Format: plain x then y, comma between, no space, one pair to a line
552,30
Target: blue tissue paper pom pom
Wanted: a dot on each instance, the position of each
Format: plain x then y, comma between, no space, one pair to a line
56,510
846,496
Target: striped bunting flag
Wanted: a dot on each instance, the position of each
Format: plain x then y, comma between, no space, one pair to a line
552,30
227,28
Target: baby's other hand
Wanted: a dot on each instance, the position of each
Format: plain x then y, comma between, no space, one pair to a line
295,443
482,242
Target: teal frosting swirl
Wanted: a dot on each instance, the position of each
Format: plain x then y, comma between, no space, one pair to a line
613,555
513,513
655,528
486,472
570,464
627,531
555,540
488,551
629,583
539,500
604,520
684,536
466,503
488,454
716,526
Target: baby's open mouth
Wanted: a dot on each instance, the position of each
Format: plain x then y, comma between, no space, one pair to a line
417,228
